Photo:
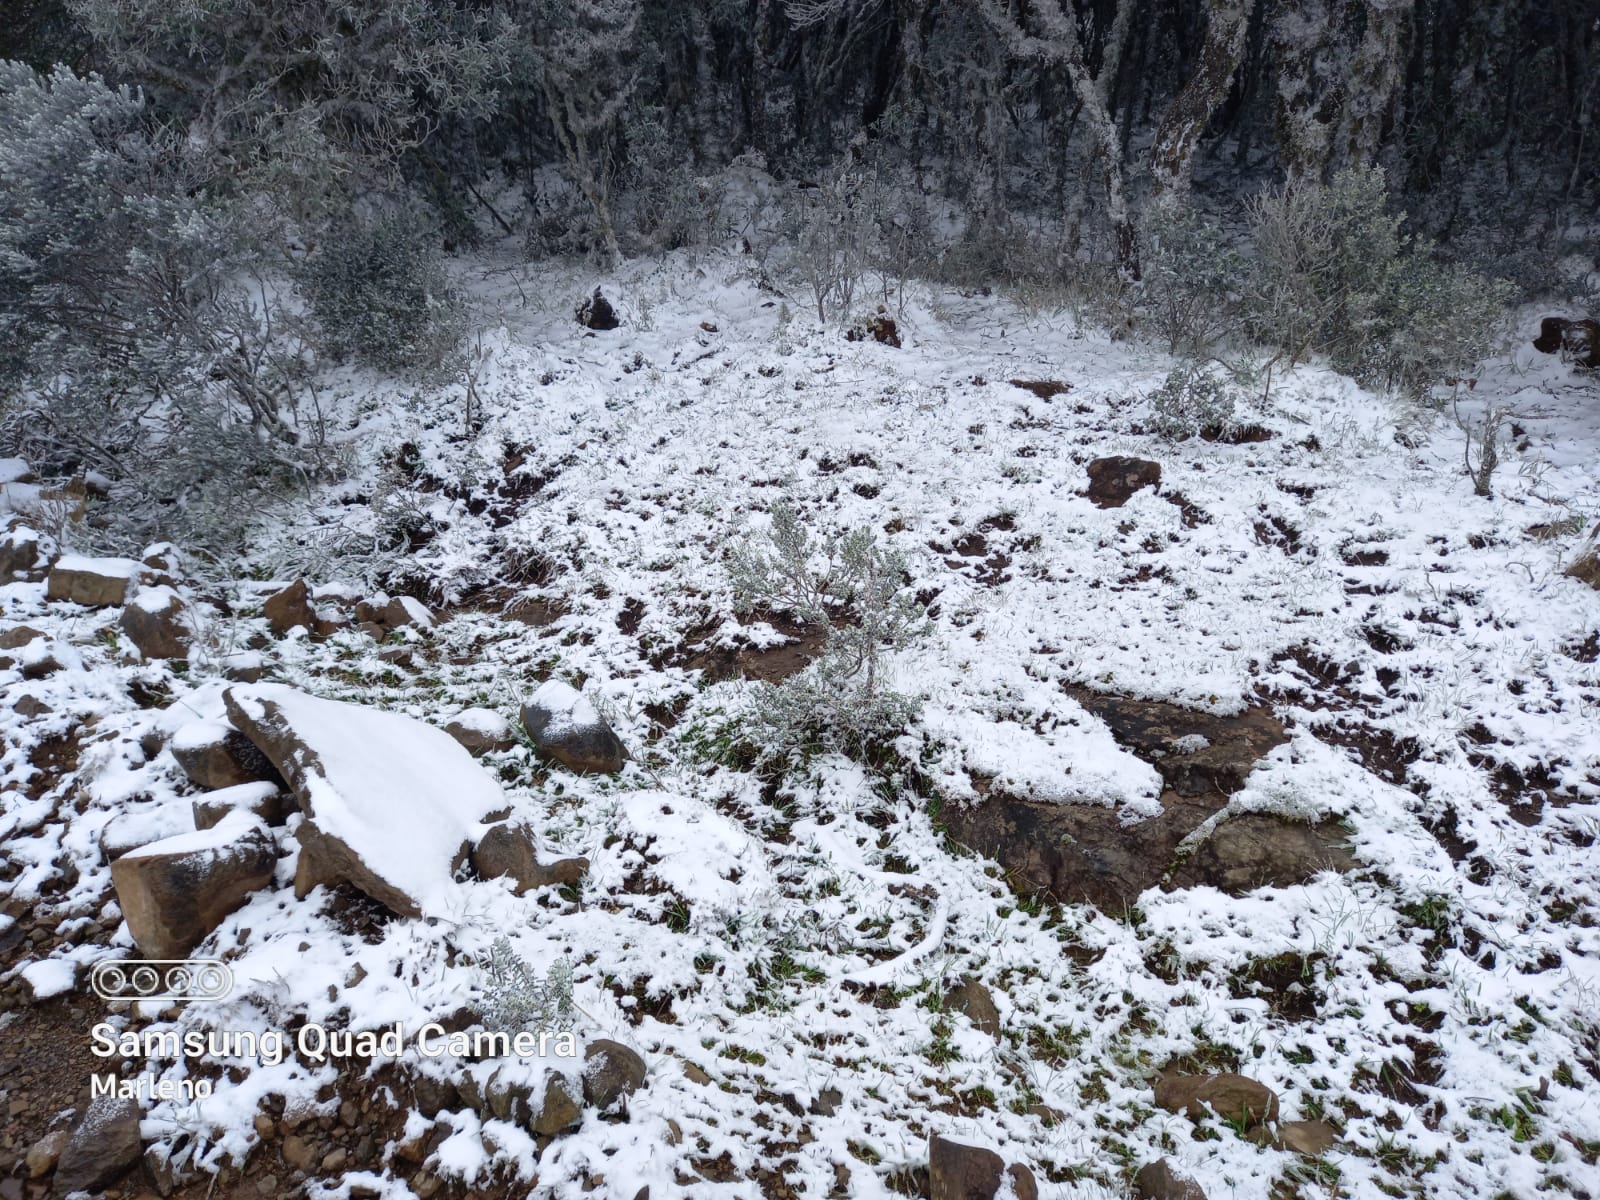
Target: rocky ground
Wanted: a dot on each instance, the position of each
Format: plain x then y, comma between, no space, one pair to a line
1243,843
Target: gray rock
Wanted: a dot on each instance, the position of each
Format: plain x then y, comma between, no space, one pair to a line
973,999
565,726
610,1072
104,1147
509,850
176,891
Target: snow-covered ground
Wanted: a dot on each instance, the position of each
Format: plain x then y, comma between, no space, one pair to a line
761,941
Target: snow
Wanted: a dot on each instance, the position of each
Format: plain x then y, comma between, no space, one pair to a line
197,735
480,720
402,794
109,568
791,934
569,709
156,600
219,837
50,977
13,470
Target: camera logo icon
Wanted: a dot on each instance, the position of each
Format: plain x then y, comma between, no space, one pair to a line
170,979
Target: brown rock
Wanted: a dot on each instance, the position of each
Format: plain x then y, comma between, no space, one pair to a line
610,1072
176,891
1083,852
297,1152
215,755
18,636
404,611
265,800
558,1112
957,1171
508,850
482,731
94,582
1232,1097
25,553
1162,1180
157,622
325,861
1311,1138
104,1147
43,1155
973,999
565,726
291,607
1114,480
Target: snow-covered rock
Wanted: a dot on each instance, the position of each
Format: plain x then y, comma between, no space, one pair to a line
566,727
481,730
215,755
24,553
176,891
289,608
158,622
509,850
392,804
94,582
265,799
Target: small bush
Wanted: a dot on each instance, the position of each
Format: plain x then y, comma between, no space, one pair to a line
514,998
841,701
1335,274
1192,400
378,290
1192,278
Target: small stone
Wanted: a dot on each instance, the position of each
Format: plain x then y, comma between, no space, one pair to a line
157,621
508,850
559,1110
335,1159
973,999
565,726
827,1102
265,800
482,731
267,1185
43,1155
266,1127
1163,1180
611,1071
1114,480
349,1113
297,1152
290,608
1232,1097
426,1186
694,1074
1311,1138
403,611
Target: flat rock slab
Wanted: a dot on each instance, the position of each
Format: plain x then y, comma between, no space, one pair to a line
104,1147
93,582
176,891
1232,1097
392,803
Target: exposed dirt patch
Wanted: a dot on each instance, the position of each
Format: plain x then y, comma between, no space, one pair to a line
1045,389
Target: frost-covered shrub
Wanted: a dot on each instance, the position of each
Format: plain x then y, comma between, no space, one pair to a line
127,344
378,289
1335,274
853,588
1192,400
514,998
1192,278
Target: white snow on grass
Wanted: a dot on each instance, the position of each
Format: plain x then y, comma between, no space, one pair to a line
787,936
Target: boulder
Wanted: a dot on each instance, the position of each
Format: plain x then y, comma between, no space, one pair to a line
1085,852
510,851
565,726
1232,1097
1114,480
215,755
404,611
482,731
957,1171
290,608
93,582
25,553
174,892
596,312
610,1072
391,803
18,636
559,1110
104,1147
266,800
973,999
157,621
1165,1180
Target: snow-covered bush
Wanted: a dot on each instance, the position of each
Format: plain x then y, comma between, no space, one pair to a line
1193,278
378,289
1191,400
854,589
1335,274
127,345
514,998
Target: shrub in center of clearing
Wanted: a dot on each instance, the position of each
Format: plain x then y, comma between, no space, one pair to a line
853,588
378,290
1192,400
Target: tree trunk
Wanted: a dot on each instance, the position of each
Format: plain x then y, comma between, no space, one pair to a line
1191,110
